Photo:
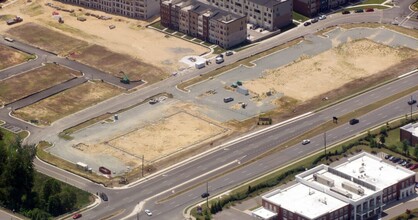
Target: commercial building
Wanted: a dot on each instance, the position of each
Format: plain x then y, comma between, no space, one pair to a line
409,133
205,22
268,14
312,8
357,189
139,9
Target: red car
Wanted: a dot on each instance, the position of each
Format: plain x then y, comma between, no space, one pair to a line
413,167
369,10
77,215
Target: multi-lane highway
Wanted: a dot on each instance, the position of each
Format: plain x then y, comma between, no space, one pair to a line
197,170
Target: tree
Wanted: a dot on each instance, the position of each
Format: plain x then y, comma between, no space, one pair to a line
373,143
384,131
405,146
51,187
54,205
38,214
382,139
68,200
416,153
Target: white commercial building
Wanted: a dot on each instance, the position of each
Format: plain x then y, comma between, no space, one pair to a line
357,189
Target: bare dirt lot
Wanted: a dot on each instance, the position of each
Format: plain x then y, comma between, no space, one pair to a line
309,77
33,81
130,36
67,102
10,57
167,136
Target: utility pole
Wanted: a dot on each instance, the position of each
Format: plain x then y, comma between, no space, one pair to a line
207,198
325,146
142,165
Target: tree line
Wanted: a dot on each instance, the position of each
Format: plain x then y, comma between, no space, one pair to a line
25,191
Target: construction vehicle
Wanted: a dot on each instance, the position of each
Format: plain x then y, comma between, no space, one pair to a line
125,79
15,20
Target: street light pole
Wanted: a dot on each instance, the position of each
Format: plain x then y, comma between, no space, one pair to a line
325,146
207,198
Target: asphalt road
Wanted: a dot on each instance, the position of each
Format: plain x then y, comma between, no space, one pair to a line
122,202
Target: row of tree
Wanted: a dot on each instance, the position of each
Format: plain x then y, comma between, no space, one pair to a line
17,185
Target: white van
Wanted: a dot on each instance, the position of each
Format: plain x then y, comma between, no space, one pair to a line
219,59
8,39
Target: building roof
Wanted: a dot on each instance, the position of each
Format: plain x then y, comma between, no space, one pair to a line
214,12
264,213
305,201
374,170
412,128
267,3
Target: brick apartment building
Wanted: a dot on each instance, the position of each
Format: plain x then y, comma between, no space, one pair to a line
311,8
139,9
268,14
357,189
204,22
409,132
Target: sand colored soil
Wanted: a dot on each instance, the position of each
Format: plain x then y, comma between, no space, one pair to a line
309,77
67,102
10,57
129,37
167,136
33,81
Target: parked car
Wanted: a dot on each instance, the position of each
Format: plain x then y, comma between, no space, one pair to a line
229,53
359,11
391,158
77,216
228,99
396,160
412,101
388,156
306,141
345,12
314,20
416,185
148,212
414,166
322,17
103,196
369,10
404,163
307,23
219,59
205,194
401,161
409,165
354,121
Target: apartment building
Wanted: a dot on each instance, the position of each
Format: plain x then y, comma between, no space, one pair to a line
139,9
357,189
205,22
311,8
268,14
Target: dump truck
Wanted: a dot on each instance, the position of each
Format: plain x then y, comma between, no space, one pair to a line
15,20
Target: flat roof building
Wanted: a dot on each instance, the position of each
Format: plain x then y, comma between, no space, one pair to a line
205,22
139,9
409,133
357,189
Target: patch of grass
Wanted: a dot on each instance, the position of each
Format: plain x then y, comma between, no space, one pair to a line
33,9
179,34
10,137
188,37
373,2
6,17
415,6
67,102
10,57
34,81
168,30
368,6
63,164
207,44
218,50
245,61
299,17
45,38
113,63
157,25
